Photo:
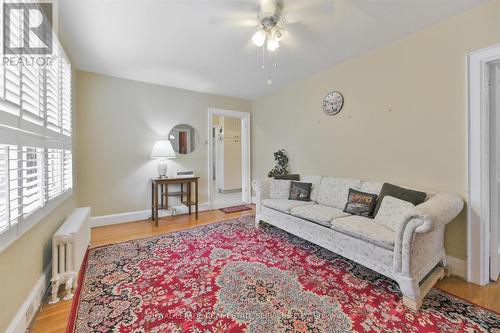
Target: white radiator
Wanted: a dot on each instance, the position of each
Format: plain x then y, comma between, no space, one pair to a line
69,245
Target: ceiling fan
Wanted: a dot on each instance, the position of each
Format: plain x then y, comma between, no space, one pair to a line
273,18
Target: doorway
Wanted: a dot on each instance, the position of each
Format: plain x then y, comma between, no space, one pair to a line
483,208
183,142
229,158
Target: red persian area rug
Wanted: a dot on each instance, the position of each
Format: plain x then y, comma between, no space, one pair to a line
231,277
234,209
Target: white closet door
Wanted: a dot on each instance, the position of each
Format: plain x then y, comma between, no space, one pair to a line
231,179
237,158
228,164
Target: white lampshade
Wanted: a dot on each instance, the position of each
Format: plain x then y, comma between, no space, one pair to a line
162,149
259,38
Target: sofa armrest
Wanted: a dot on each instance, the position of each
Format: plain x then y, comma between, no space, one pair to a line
261,188
438,211
426,218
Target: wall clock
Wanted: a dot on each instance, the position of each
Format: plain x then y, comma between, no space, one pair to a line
333,103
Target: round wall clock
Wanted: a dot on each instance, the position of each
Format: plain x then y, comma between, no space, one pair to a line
333,103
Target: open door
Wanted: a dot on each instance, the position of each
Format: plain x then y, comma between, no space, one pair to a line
494,98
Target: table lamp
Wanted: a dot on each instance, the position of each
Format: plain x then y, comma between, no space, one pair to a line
162,150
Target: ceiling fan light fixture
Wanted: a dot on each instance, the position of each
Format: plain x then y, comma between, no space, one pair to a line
272,44
259,38
277,35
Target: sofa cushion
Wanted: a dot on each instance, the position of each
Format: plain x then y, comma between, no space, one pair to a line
392,212
371,187
284,205
315,181
279,189
318,213
333,191
415,197
364,228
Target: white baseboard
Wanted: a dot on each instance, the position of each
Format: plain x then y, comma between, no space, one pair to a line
30,307
99,221
457,266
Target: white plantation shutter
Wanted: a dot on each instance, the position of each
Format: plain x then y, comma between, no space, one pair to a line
10,208
66,97
13,73
13,84
32,94
67,169
4,188
32,182
2,67
14,27
52,91
2,77
54,173
15,186
36,168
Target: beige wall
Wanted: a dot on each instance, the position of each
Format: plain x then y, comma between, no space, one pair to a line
118,122
404,117
22,263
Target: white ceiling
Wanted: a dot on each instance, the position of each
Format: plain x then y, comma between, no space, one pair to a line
173,43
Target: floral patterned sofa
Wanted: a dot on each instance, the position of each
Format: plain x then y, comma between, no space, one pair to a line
412,253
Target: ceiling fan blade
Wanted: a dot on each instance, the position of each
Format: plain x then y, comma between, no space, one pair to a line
295,10
300,33
233,22
270,7
241,5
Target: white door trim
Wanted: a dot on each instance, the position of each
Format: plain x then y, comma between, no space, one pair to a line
478,160
245,152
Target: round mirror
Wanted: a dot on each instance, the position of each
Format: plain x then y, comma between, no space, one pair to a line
183,139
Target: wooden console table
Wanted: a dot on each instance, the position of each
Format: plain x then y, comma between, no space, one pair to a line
160,194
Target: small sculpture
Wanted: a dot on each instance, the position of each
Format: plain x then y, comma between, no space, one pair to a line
281,164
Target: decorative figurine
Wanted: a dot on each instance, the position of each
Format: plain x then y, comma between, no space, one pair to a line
281,164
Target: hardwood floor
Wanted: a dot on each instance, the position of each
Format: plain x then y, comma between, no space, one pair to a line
487,296
53,318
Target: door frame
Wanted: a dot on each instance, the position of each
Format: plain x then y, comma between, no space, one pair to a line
188,142
478,164
215,128
245,152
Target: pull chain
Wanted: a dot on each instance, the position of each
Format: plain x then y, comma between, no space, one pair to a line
269,68
264,56
268,62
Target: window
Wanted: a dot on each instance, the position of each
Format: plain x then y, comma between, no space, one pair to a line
35,141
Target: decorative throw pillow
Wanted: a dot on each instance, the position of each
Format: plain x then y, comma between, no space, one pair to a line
279,189
300,191
392,212
415,197
315,181
360,203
